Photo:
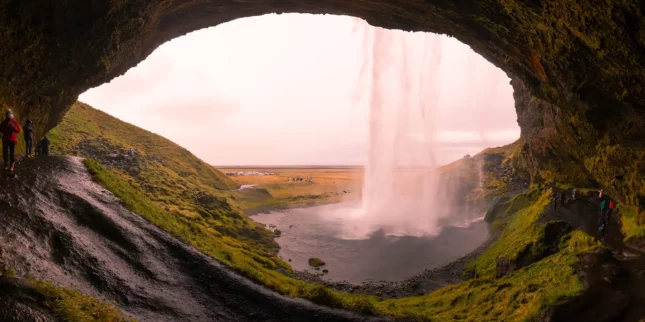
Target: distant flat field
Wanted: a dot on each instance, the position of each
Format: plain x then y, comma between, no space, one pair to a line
327,184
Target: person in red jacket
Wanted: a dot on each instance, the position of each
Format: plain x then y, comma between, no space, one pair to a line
9,129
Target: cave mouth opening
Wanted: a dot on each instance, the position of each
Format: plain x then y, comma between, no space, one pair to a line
304,90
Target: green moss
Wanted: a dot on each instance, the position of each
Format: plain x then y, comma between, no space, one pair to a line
520,296
316,262
83,123
580,242
9,272
630,226
73,306
522,231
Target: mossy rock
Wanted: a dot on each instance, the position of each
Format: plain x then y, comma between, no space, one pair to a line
316,262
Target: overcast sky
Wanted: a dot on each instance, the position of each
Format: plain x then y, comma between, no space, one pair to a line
281,90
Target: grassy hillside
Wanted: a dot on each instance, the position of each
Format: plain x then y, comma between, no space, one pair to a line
187,194
87,130
174,196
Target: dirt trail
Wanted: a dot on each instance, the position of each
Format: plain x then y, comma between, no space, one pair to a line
614,277
59,226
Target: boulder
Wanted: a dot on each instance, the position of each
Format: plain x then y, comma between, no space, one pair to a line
316,262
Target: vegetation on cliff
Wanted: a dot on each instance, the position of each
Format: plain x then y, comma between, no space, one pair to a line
519,295
73,306
38,299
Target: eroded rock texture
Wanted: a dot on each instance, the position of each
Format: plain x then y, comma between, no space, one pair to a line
577,66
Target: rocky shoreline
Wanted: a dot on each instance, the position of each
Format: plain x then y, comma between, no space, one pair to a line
427,281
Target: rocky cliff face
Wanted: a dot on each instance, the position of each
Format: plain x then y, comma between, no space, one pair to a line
577,66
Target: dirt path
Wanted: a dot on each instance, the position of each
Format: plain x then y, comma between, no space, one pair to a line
59,226
614,277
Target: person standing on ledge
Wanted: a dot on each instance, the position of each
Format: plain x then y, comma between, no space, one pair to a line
29,138
9,129
44,146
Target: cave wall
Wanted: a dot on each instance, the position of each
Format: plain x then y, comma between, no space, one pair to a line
577,66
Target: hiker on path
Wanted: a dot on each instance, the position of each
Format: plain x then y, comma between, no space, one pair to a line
601,228
600,194
603,206
44,146
610,210
573,194
29,138
9,128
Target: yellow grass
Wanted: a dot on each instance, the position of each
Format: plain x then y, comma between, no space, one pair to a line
328,185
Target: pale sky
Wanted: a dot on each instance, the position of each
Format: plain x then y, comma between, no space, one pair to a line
281,90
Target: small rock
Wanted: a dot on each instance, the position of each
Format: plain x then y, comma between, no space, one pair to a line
289,259
316,262
325,271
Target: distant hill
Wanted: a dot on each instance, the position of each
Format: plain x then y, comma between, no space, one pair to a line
86,131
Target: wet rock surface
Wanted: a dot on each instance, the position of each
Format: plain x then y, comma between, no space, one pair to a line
61,227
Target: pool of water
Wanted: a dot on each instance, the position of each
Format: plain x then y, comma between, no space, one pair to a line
313,232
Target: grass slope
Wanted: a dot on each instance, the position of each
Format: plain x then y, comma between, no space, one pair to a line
163,176
73,306
216,231
83,123
522,295
66,305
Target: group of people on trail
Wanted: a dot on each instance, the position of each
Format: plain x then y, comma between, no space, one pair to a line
607,206
10,128
606,209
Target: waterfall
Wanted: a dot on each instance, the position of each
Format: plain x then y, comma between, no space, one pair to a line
400,185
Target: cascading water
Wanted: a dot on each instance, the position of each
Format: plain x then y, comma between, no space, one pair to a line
400,183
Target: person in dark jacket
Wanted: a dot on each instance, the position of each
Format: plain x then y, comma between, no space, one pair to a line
29,138
9,129
603,206
44,146
44,149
